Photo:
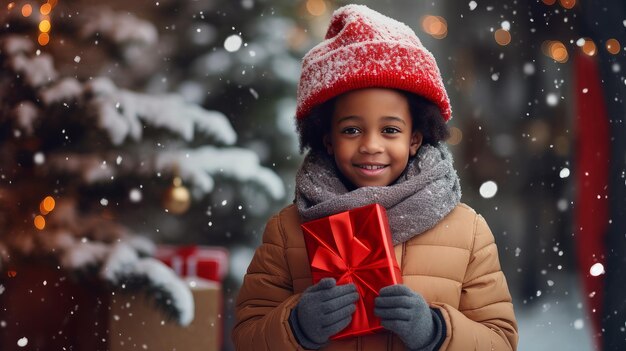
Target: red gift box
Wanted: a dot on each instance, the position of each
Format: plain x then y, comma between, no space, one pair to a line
208,262
354,247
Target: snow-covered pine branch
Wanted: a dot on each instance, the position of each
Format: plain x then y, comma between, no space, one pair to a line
86,244
13,45
25,114
118,27
66,89
37,71
199,166
123,267
120,112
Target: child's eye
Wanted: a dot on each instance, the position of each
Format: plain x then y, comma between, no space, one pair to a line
349,130
391,130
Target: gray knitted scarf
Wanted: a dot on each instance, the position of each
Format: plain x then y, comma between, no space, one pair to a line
427,190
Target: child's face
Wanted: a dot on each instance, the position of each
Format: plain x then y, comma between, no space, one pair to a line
371,136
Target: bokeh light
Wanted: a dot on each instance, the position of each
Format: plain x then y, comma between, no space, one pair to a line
589,47
27,10
503,37
568,4
45,9
47,205
555,50
456,135
40,222
44,26
436,26
43,39
316,7
613,46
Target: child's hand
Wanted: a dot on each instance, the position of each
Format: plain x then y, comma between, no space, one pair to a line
407,314
324,310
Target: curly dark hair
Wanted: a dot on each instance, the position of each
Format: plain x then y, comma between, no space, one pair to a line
425,115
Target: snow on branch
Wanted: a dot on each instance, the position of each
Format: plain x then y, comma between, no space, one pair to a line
37,71
84,244
25,114
120,112
124,267
13,45
118,27
199,166
66,89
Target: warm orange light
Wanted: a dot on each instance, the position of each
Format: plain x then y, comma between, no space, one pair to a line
27,10
589,47
558,51
555,50
455,136
297,38
43,39
47,205
10,6
545,47
503,37
568,4
45,9
40,222
44,26
612,46
316,7
11,273
436,26
549,2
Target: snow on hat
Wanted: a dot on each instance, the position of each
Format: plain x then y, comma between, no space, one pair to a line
365,49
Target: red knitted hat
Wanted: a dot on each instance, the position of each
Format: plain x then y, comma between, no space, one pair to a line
365,49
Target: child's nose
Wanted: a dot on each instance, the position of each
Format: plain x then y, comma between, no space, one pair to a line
371,144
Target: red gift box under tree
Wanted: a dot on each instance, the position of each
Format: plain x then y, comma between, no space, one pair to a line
208,262
354,247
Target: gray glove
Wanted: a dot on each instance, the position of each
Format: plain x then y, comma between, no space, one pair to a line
407,314
324,310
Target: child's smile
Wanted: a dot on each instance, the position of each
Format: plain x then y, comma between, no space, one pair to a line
371,136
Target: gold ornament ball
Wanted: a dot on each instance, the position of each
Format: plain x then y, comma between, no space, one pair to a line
177,199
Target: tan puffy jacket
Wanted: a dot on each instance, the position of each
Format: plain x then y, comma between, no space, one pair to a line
454,266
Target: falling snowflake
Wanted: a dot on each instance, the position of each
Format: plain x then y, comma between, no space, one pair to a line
232,43
552,99
22,342
579,324
488,189
597,269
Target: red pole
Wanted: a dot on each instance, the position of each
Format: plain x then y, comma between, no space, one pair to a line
592,177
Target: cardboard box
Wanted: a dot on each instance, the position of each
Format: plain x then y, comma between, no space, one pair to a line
45,308
135,324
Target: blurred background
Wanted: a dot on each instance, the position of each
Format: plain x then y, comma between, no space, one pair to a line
172,121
